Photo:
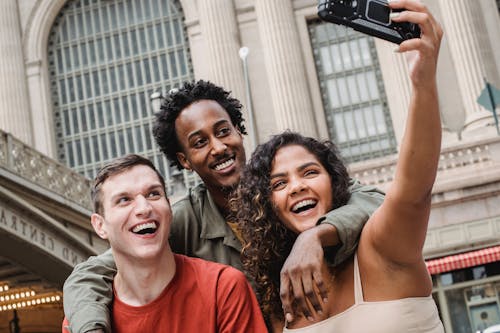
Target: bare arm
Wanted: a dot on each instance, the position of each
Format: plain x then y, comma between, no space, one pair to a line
397,230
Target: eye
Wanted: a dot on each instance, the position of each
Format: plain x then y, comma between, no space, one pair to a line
224,131
122,201
200,142
155,194
311,173
278,185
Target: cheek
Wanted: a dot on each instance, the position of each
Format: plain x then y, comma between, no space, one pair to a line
327,194
279,203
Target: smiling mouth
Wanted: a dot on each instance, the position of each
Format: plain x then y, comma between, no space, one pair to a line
145,228
224,165
304,205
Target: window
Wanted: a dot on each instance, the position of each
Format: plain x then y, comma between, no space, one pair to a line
354,98
105,59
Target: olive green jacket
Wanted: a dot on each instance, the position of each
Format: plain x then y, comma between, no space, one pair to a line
199,230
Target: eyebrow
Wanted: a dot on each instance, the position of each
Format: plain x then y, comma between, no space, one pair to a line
300,168
125,193
217,123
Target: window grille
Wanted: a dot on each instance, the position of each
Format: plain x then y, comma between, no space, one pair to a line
353,93
105,60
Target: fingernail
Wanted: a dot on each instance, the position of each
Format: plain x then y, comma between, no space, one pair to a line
320,312
394,15
397,50
325,300
310,318
289,317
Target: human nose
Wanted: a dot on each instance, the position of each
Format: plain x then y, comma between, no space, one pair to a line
218,147
296,185
142,206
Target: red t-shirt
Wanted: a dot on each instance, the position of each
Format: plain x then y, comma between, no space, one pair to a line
203,296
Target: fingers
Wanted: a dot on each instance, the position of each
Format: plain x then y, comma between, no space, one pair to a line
300,300
416,12
305,291
413,5
310,294
286,299
318,280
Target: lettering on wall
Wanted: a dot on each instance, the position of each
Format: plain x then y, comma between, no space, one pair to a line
42,237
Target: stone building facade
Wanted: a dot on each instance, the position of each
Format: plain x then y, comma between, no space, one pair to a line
76,79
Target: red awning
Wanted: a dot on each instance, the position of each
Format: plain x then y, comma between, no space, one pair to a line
463,260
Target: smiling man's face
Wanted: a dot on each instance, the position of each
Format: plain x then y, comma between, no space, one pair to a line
136,214
211,145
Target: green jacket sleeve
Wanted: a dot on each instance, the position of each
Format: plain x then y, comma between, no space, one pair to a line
350,219
88,293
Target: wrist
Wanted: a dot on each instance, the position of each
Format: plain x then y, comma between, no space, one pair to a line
326,234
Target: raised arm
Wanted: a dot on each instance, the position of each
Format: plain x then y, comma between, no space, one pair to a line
338,232
397,230
88,293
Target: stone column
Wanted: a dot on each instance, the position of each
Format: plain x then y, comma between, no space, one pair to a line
221,35
14,104
285,66
463,37
397,84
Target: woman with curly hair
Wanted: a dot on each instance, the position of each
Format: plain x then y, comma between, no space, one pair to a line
292,180
267,240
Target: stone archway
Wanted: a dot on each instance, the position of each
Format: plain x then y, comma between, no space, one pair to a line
35,52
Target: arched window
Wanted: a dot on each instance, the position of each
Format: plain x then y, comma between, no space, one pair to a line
353,92
105,59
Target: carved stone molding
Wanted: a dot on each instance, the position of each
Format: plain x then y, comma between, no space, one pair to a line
39,169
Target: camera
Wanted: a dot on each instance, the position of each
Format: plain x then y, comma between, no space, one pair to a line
367,16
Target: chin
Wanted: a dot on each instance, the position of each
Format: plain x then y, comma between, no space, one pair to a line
305,226
229,186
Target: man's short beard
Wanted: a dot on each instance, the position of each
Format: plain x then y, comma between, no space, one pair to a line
227,190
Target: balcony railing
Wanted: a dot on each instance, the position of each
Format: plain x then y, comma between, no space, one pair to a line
468,158
30,165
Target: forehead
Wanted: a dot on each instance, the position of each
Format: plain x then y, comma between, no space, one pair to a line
292,157
200,115
130,180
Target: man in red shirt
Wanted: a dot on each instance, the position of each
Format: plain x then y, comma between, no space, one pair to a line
154,289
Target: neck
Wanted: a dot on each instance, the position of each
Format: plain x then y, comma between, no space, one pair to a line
220,195
140,282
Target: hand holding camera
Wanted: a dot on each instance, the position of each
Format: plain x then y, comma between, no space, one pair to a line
372,17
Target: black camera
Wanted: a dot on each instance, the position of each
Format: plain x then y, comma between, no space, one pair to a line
367,16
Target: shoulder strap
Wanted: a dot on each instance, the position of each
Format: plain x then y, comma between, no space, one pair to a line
358,288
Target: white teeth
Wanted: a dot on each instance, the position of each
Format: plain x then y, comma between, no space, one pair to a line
224,165
148,225
301,204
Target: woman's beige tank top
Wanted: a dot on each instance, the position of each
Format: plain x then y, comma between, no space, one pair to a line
414,314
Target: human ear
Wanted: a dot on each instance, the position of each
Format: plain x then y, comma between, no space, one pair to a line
181,157
98,224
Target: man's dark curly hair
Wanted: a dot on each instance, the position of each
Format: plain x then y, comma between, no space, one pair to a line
176,101
266,241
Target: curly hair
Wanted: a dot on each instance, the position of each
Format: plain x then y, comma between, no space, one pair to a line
266,241
179,99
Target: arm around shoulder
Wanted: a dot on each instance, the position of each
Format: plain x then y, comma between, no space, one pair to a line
88,293
349,220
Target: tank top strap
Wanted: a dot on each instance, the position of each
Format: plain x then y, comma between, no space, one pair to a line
358,288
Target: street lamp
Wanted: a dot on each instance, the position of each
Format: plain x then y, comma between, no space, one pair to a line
156,99
243,52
